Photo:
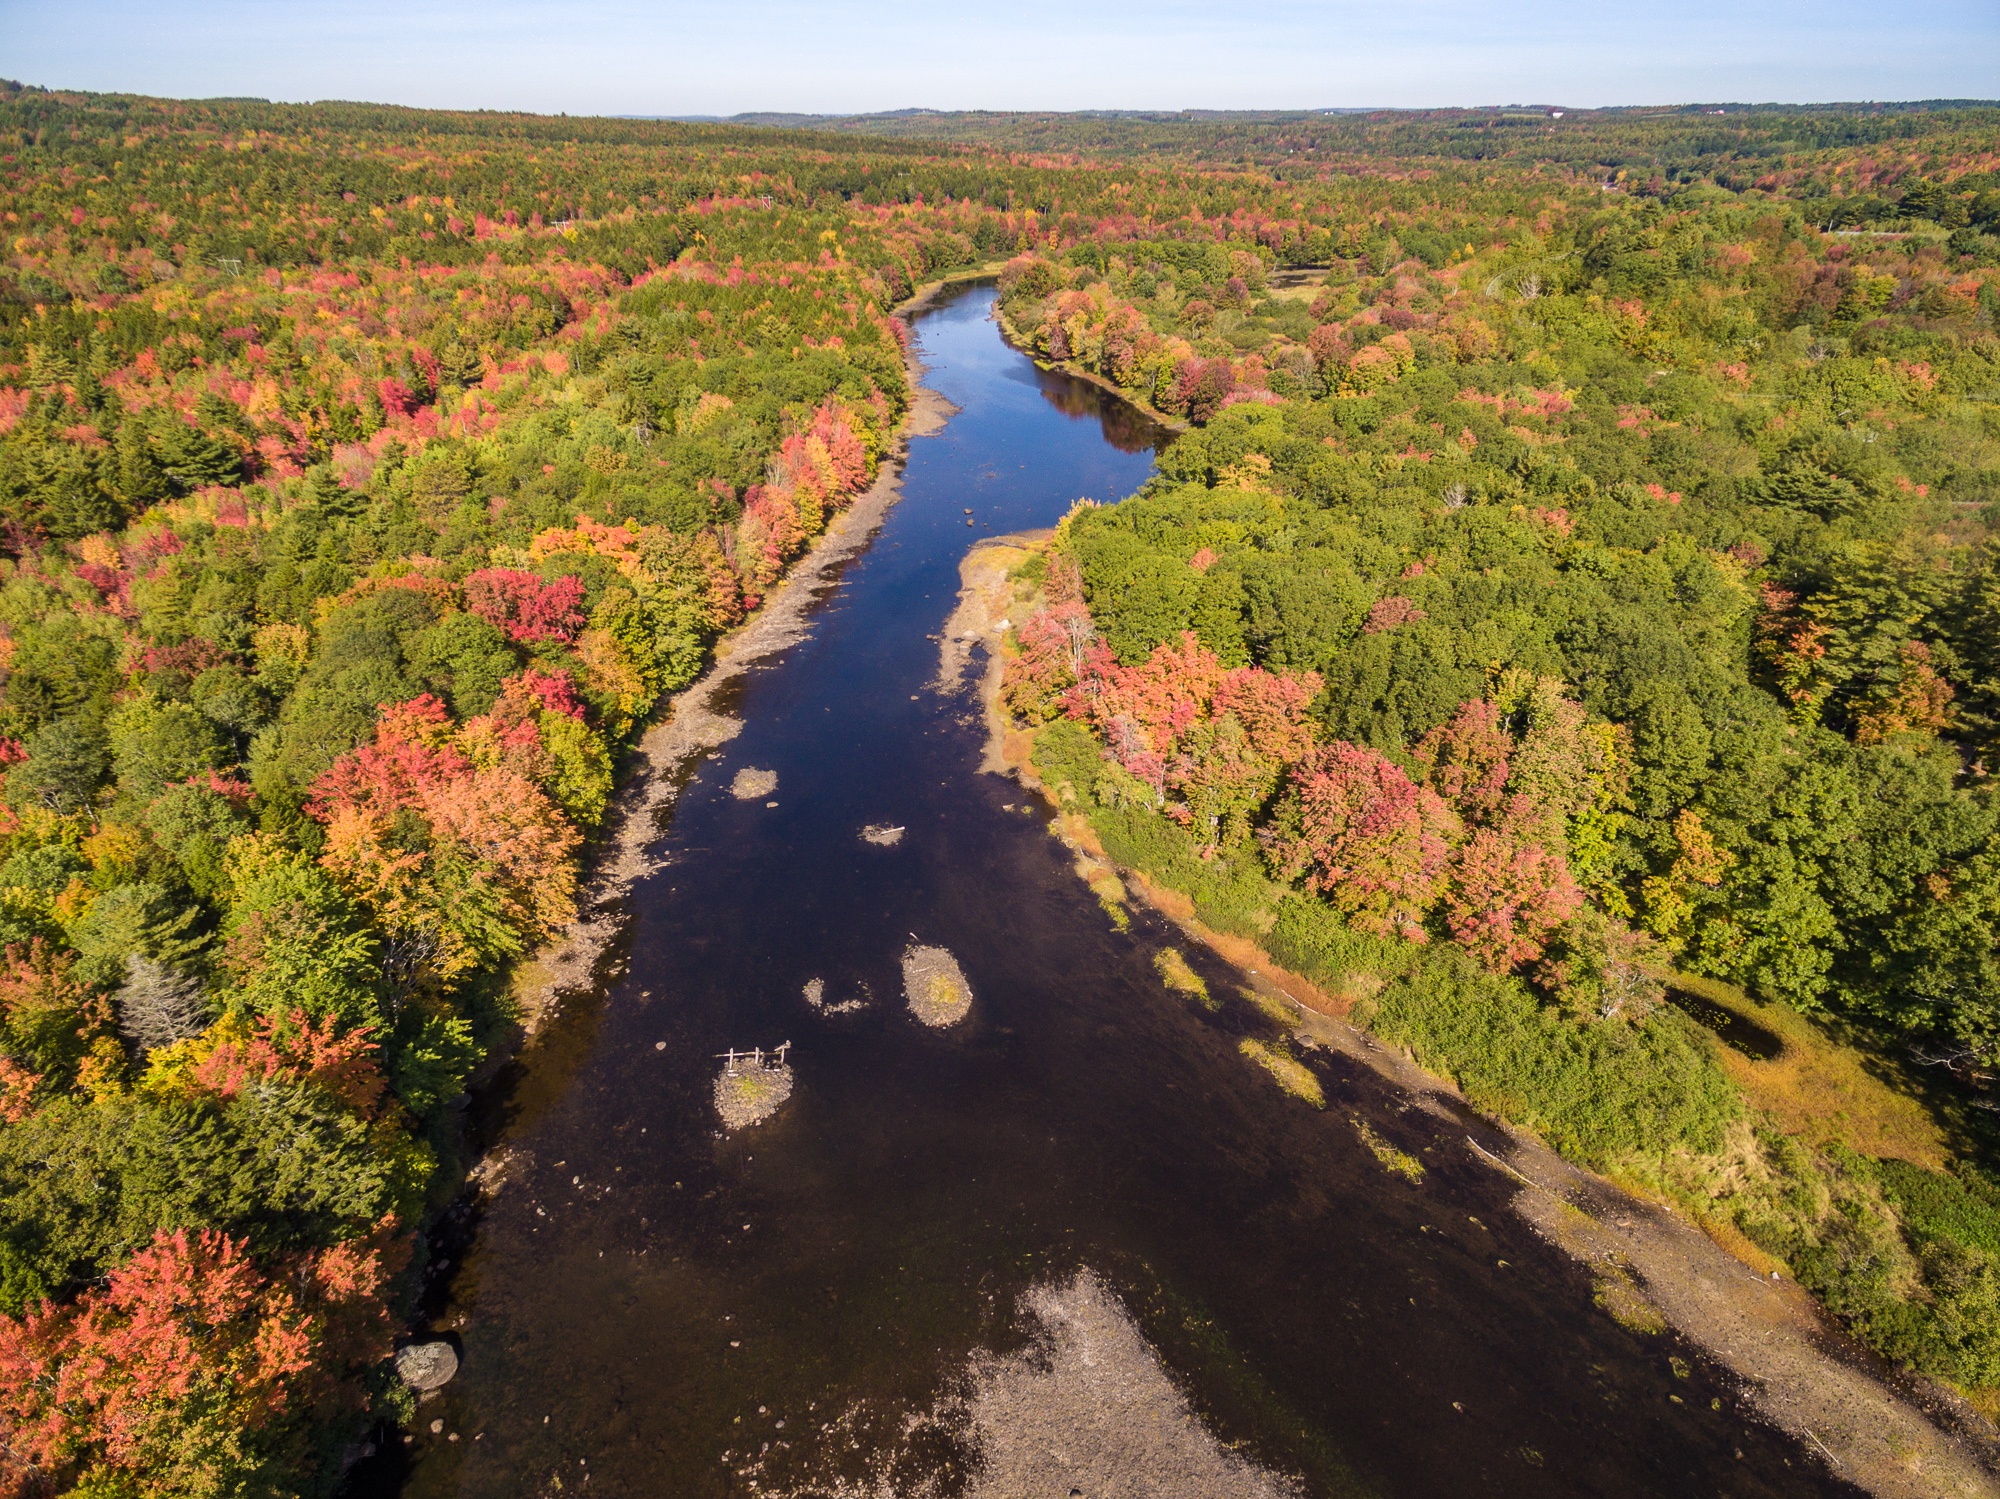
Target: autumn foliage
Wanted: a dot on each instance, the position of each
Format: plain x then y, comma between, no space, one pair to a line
189,1359
1469,836
1356,828
1206,742
469,863
525,606
299,1049
367,479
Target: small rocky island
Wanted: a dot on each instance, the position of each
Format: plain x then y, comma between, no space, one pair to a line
752,1087
935,986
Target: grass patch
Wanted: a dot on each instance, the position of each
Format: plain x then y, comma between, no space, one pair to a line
1033,567
1393,1160
1292,1075
1110,893
1270,1006
1823,1089
1734,1241
1176,975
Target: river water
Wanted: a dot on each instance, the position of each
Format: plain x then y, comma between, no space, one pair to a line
644,1300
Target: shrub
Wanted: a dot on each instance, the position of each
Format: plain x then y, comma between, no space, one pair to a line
1596,1090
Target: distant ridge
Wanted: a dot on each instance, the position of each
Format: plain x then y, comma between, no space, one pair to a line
1110,129
783,121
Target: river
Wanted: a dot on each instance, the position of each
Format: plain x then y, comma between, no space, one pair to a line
645,1300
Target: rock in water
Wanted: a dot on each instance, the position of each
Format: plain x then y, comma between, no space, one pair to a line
426,1366
815,992
751,784
935,986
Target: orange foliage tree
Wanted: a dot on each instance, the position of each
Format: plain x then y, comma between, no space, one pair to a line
461,864
185,1369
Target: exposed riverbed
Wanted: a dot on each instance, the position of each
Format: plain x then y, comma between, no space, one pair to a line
1040,1239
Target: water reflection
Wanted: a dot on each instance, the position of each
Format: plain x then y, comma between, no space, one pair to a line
1123,426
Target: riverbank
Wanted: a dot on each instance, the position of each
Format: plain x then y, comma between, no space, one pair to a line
1797,1370
952,281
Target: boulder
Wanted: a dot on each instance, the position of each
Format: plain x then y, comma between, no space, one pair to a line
426,1366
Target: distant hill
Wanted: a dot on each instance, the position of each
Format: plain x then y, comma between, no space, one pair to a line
1279,138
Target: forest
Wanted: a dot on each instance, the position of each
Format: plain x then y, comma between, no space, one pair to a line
1575,592
1550,640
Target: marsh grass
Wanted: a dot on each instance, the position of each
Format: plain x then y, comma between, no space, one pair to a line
1176,975
1292,1075
1270,1006
1822,1087
1393,1160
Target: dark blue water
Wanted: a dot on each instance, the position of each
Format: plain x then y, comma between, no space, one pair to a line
645,1300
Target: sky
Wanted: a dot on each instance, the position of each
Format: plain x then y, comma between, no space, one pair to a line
658,57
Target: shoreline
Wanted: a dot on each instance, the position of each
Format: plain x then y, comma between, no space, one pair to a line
1897,1436
922,296
1014,341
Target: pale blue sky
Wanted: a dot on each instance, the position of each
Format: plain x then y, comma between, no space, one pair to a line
722,56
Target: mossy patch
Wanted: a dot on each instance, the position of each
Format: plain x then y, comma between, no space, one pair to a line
1270,1006
1110,893
752,784
1627,1304
749,1094
755,1087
